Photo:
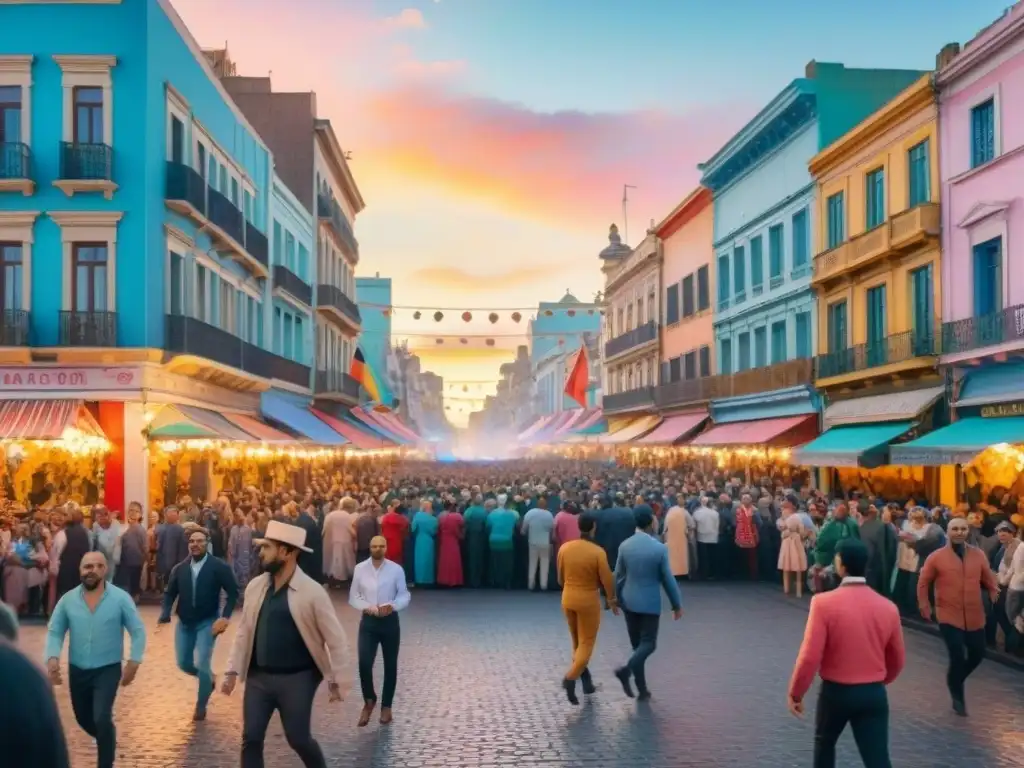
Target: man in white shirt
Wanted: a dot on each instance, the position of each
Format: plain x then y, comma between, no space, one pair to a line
379,592
538,525
708,523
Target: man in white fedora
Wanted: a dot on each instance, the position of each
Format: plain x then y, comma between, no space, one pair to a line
288,641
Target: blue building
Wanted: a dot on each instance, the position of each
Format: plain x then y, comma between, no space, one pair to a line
555,334
373,294
763,201
294,274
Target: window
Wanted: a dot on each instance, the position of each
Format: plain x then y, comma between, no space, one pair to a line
303,262
213,172
177,140
223,186
703,289
10,119
288,336
177,277
803,335
629,318
919,174
277,331
234,193
801,240
744,352
876,331
779,342
723,281
705,361
756,264
874,185
740,271
672,304
760,347
725,357
89,277
652,313
201,159
227,306
11,276
988,277
278,244
776,253
922,298
836,220
87,103
983,133
248,206
688,309
690,365
675,369
837,338
289,250
202,293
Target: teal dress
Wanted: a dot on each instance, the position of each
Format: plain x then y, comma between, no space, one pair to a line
424,531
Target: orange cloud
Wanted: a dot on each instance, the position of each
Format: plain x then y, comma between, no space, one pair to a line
408,18
461,279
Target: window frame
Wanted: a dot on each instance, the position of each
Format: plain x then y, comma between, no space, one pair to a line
874,198
89,72
91,268
16,70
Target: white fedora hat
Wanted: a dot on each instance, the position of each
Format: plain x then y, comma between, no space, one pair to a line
285,533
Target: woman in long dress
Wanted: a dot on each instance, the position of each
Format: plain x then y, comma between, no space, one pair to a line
424,532
22,568
451,530
339,545
677,526
792,555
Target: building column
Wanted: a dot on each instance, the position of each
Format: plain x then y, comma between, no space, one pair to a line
135,464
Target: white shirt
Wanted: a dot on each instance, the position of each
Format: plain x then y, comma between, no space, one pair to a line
1015,574
707,525
378,586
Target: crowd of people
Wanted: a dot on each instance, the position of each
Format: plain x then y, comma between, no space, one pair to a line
510,525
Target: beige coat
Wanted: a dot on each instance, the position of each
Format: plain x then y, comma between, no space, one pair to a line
313,612
677,527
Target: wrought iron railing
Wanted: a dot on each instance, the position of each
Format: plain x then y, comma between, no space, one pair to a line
186,184
86,162
634,398
15,326
985,331
328,209
225,215
286,279
15,160
336,382
640,335
332,296
88,329
895,348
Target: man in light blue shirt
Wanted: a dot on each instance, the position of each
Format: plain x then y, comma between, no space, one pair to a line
96,614
538,525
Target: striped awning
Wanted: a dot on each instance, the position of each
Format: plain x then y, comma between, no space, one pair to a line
359,438
259,429
632,431
396,425
535,427
45,419
372,419
189,422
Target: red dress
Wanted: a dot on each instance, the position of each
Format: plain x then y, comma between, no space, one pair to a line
394,527
449,556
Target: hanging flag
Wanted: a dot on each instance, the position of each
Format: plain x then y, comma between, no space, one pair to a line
578,380
361,372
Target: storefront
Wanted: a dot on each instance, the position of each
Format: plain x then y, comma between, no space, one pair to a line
635,429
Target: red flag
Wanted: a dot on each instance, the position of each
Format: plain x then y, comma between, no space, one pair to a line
578,380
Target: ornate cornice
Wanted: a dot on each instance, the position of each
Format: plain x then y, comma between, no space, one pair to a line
85,64
16,63
984,45
86,218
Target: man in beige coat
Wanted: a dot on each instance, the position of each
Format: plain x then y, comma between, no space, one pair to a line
288,641
676,529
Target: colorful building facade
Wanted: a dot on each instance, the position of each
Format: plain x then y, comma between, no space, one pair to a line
555,334
373,294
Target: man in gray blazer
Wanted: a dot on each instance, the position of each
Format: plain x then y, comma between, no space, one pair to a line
642,571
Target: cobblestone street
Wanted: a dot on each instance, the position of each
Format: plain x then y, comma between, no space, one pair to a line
478,686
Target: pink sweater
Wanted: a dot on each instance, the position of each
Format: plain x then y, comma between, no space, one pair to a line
853,636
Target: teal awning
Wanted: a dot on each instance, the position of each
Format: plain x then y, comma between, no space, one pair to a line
959,442
859,445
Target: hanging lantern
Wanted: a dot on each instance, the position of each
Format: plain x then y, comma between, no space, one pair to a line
571,312
439,316
548,313
439,341
467,316
386,312
493,317
465,388
516,317
490,342
417,315
463,341
590,311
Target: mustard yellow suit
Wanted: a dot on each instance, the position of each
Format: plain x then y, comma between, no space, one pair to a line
582,571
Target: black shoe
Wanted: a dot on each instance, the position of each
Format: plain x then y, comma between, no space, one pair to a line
643,695
623,674
570,692
588,684
959,707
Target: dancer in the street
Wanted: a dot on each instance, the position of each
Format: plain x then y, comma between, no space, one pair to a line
582,571
96,614
288,641
379,592
197,584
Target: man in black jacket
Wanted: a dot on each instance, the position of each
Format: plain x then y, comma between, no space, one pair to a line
197,584
76,546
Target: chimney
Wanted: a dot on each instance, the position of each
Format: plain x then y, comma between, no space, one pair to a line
945,56
811,70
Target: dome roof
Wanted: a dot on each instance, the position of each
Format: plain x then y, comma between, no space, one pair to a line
616,249
568,299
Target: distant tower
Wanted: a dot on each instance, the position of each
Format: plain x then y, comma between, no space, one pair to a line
615,251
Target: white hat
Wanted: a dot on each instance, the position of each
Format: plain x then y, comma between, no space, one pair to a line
285,533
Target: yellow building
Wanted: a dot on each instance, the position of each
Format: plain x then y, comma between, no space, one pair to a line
877,277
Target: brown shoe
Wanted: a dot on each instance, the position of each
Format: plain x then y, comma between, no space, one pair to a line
364,716
385,715
198,715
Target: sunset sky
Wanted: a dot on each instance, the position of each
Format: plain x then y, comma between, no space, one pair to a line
491,138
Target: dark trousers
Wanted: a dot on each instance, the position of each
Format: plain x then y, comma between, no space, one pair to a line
998,617
476,558
643,637
292,697
502,563
866,709
385,632
129,578
707,560
966,650
92,698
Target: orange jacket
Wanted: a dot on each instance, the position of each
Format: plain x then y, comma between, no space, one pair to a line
958,585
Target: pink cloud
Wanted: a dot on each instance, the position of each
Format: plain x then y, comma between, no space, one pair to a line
408,18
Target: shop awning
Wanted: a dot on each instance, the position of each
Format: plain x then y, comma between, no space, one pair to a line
632,431
259,429
551,429
960,442
299,419
537,425
760,432
45,419
371,419
890,407
859,445
674,428
358,437
394,422
569,425
593,417
189,422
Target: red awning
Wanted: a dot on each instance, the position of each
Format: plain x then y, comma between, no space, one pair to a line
392,421
674,428
258,429
360,439
784,432
45,419
551,428
571,422
537,426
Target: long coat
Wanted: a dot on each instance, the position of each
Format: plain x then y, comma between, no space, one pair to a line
677,524
339,554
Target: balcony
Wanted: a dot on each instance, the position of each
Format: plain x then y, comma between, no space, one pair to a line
973,333
336,385
332,301
907,229
88,329
86,168
293,285
329,211
256,244
16,168
676,393
753,381
186,191
634,399
894,349
188,336
14,328
639,336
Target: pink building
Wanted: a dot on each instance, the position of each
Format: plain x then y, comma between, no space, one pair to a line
981,136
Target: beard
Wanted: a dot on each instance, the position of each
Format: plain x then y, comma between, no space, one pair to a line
273,566
91,583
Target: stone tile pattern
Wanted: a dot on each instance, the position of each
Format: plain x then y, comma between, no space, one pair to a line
478,686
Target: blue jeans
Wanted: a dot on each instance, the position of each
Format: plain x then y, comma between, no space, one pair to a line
194,648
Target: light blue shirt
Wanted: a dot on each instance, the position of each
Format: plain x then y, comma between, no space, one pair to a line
378,586
537,525
196,566
97,637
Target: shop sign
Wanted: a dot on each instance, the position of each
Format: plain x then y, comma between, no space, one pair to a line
42,378
1002,409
